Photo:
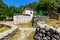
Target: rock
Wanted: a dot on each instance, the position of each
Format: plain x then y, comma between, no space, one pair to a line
47,34
44,38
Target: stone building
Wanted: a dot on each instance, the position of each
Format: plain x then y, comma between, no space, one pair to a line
29,12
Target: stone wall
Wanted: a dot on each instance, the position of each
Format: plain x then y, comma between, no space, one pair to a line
39,18
8,33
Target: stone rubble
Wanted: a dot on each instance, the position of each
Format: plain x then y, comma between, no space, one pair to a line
42,33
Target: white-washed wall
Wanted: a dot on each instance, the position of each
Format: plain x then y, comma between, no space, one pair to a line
21,19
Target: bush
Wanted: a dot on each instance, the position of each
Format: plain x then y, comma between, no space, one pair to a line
2,18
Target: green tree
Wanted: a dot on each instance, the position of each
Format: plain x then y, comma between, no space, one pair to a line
45,5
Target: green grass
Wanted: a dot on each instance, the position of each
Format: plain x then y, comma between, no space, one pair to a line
4,28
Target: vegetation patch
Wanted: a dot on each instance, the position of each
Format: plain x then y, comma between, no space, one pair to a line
15,37
25,25
3,28
53,22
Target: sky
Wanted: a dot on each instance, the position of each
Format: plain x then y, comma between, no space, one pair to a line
18,3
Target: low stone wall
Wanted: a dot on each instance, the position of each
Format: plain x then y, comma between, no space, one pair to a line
8,33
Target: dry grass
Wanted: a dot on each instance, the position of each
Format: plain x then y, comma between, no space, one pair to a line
4,28
25,25
53,22
15,37
31,36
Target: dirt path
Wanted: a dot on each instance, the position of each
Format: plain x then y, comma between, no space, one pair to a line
25,32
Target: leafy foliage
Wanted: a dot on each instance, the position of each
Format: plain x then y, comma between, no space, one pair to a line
44,5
